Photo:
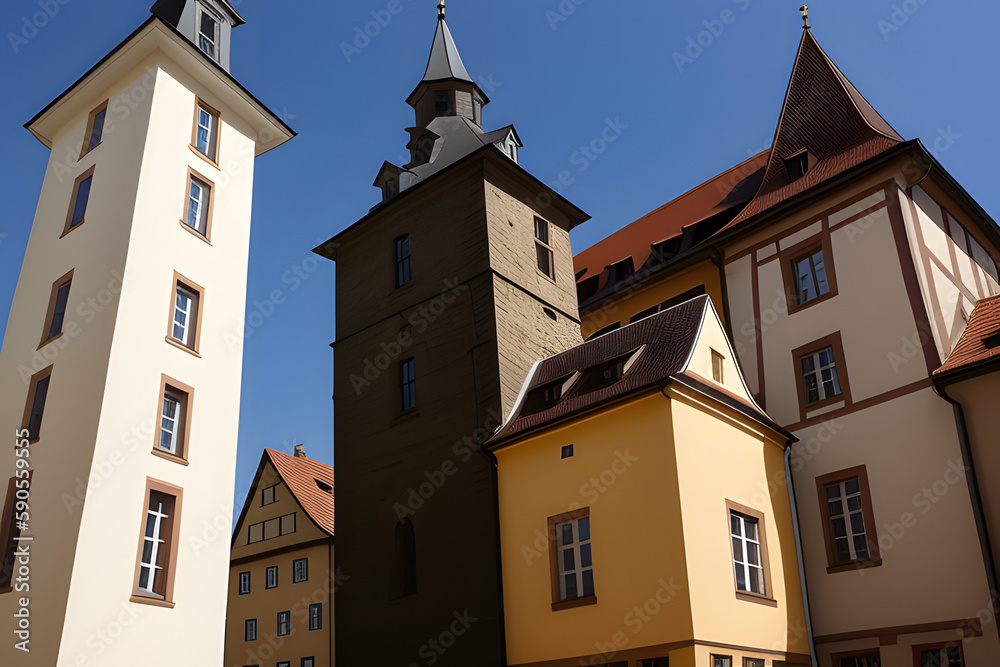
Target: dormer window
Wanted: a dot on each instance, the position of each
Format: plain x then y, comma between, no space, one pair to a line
323,486
545,396
620,271
992,342
605,374
797,165
208,33
443,105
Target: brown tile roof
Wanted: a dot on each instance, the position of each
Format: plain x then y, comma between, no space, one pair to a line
725,192
971,349
663,343
824,113
300,474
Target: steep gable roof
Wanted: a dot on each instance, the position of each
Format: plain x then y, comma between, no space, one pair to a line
979,343
826,115
301,475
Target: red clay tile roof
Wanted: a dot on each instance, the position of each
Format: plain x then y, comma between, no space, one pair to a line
825,114
300,475
971,350
705,201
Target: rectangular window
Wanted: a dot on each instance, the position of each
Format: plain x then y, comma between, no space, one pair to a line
753,662
442,103
250,630
267,495
38,391
300,570
272,528
403,274
198,204
95,129
206,131
747,553
821,375
9,530
810,277
244,583
158,544
722,661
284,623
55,315
718,365
175,417
939,655
308,662
208,34
409,384
316,616
848,520
79,200
575,564
185,315
807,272
543,250
285,664
858,659
272,577
653,662
819,370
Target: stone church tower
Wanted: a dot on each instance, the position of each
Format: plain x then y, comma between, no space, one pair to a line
447,292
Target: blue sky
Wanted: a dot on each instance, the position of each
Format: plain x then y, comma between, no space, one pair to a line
697,88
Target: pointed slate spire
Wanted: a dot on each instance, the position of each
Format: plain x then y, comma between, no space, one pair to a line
826,127
456,93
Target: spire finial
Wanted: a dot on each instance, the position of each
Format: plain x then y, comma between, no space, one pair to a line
441,10
804,9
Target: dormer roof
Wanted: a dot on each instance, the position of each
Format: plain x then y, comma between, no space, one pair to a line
171,10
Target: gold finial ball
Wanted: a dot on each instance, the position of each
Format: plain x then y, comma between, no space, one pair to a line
441,9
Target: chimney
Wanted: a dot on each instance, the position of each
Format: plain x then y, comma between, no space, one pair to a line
299,453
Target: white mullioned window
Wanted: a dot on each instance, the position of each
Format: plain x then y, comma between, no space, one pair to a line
150,567
576,567
300,570
284,623
847,520
208,33
206,132
272,577
170,423
184,310
820,372
747,553
197,213
244,583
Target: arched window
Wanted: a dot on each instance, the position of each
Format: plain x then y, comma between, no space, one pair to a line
405,572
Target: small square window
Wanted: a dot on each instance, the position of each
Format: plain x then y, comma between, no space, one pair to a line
316,616
250,630
95,129
718,366
38,391
55,316
244,583
409,384
198,205
300,570
284,623
185,313
797,165
272,577
543,250
267,495
567,451
206,131
175,417
79,201
308,662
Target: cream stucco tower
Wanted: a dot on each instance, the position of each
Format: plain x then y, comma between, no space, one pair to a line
117,374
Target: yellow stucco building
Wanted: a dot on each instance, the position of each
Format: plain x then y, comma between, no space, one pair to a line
644,513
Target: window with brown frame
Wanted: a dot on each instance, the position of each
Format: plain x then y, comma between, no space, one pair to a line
718,367
186,309
78,201
543,248
722,661
158,541
198,205
653,662
175,405
748,542
34,408
55,315
205,137
9,530
753,662
848,520
821,374
863,658
807,273
95,128
571,560
944,654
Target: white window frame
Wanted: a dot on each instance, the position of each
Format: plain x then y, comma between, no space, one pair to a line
741,555
198,205
817,373
316,616
296,564
188,311
154,552
174,418
576,547
848,514
215,38
244,583
271,569
813,277
211,130
284,623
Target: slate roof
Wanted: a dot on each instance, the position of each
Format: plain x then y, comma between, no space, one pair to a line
972,350
663,345
171,10
445,63
300,474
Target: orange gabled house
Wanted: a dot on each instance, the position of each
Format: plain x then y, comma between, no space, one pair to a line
282,576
